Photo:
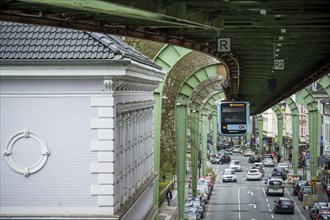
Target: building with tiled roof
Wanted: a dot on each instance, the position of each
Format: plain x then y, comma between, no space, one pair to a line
71,105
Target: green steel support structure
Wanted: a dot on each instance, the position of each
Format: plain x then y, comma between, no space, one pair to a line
261,130
204,143
215,132
305,98
295,133
278,113
181,142
194,131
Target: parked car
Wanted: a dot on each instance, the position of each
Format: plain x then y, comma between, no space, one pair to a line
208,179
206,185
254,174
229,151
229,175
248,152
284,205
298,185
315,207
201,191
254,159
237,149
268,162
196,201
281,172
275,186
191,212
235,165
304,190
321,213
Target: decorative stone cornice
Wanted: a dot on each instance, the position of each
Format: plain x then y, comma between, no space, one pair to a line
129,84
132,106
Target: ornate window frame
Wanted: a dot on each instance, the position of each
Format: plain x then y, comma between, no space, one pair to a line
26,171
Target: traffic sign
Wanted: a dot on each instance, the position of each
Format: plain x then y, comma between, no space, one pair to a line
224,44
279,64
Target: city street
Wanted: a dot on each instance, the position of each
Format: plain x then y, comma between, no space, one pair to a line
244,199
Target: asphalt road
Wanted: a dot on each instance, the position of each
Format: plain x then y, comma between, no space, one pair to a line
244,200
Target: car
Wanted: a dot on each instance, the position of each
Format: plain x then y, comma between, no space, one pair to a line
254,159
275,187
267,156
281,172
283,165
197,202
235,165
216,160
228,151
315,207
304,190
201,191
225,159
254,174
206,184
237,149
207,179
268,162
259,168
321,213
191,212
298,185
248,152
207,187
284,205
258,164
229,175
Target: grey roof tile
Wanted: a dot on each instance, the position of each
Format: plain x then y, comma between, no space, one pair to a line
26,41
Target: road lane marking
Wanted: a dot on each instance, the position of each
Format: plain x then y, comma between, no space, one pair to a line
272,216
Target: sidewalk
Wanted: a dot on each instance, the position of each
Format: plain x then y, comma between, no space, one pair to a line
171,212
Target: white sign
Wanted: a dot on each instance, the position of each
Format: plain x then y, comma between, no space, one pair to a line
224,44
279,64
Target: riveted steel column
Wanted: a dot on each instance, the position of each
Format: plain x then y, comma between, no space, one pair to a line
280,135
204,143
295,132
181,145
215,133
260,131
194,131
295,142
156,128
312,126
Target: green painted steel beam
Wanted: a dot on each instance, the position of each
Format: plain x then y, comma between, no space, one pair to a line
306,98
109,8
204,129
278,113
261,132
295,132
181,151
194,131
325,83
169,55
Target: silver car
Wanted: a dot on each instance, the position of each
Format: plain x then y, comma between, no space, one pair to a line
268,162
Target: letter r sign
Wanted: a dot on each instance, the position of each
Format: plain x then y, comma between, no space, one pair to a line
224,44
